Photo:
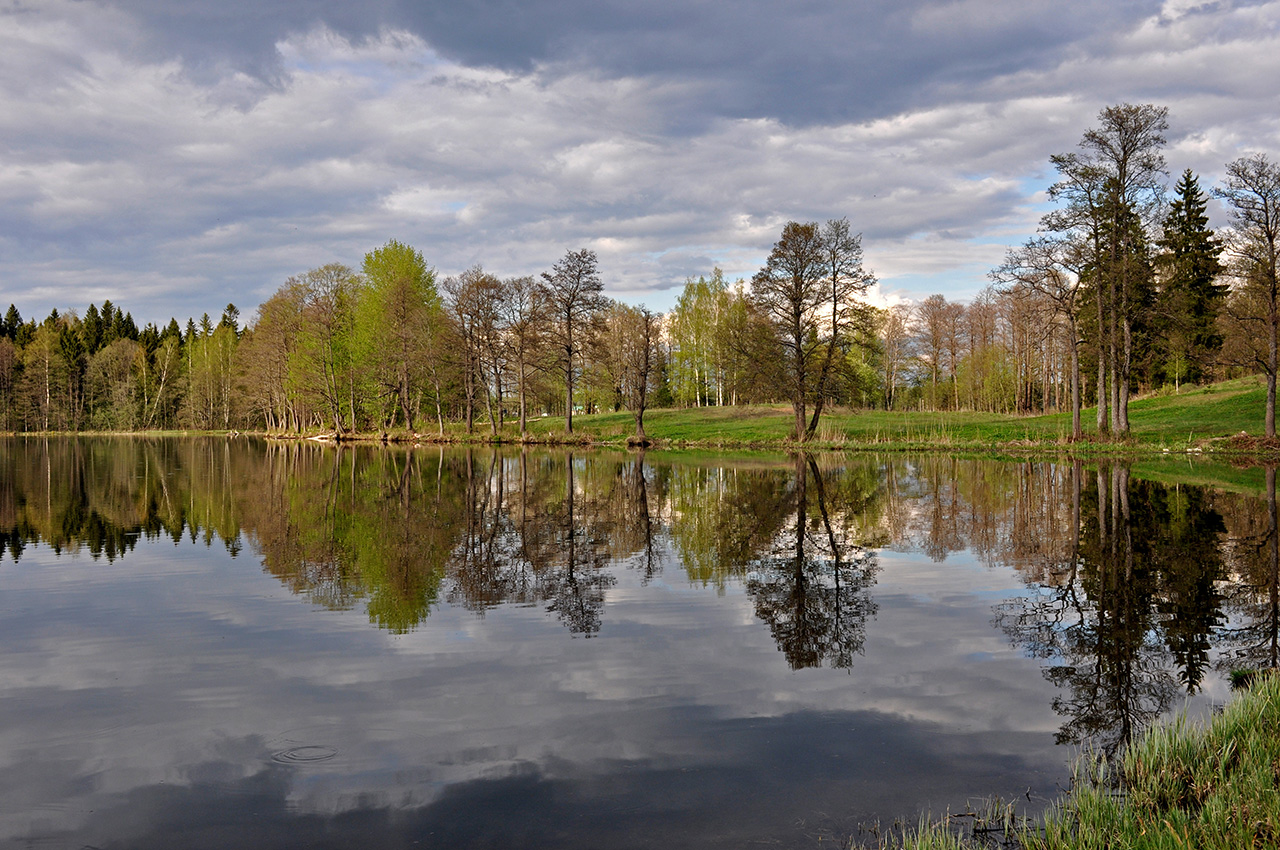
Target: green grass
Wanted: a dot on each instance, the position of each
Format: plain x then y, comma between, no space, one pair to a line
1199,419
1180,785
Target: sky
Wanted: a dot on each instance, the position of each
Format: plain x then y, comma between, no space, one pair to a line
175,157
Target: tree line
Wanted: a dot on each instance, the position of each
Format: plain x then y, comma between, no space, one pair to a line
1123,281
393,347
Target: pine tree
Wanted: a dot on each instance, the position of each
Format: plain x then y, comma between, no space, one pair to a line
1190,294
12,322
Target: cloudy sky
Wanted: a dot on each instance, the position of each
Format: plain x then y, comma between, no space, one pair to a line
176,156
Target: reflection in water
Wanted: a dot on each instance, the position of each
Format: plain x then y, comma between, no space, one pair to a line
1131,582
1253,556
812,589
1124,616
399,531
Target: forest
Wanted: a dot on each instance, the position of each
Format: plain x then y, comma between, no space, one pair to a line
1125,289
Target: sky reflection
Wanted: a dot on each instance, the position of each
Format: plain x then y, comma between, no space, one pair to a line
178,693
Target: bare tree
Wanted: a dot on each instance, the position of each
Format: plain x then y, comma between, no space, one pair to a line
572,289
1252,191
789,289
524,314
844,283
474,301
931,323
1052,266
640,338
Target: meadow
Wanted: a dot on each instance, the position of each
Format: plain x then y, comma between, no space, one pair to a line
1199,419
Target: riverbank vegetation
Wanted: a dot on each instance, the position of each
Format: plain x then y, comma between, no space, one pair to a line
1179,785
1120,283
1201,419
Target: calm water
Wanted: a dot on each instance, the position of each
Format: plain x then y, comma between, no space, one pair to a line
234,644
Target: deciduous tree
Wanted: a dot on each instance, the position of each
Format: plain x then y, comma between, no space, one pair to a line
397,308
1112,189
1252,193
572,290
789,290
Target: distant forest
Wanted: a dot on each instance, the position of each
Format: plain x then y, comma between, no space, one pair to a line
1124,289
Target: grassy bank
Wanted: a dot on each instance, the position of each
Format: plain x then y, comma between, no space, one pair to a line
1224,419
1182,785
1201,419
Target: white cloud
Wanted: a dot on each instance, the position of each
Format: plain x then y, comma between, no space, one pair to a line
129,175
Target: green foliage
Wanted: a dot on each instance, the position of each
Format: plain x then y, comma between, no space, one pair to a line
1212,786
1191,294
699,368
395,313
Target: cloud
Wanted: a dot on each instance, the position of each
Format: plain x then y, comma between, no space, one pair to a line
157,156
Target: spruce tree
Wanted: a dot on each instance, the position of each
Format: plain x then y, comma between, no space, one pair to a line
12,322
1190,293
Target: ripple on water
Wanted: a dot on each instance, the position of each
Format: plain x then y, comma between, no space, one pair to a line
305,754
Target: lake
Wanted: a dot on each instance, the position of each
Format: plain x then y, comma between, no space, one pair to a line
235,643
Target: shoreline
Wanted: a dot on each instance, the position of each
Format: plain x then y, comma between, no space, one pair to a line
1247,448
1210,784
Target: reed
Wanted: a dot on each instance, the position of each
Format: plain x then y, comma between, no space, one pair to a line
1181,785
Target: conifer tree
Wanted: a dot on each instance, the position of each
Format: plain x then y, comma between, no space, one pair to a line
1191,295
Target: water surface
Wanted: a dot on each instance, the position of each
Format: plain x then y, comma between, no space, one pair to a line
217,643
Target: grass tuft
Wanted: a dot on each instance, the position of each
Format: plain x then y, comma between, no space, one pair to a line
1181,785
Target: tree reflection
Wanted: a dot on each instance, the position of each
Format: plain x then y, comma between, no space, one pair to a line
811,586
1123,618
103,495
1129,579
1254,558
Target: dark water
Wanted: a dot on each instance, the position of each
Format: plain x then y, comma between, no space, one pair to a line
233,644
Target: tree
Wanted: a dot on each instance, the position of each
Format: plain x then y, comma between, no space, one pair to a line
474,301
1252,192
1190,295
844,283
397,308
697,364
112,385
12,322
789,289
1113,189
524,309
268,353
602,375
91,330
896,337
639,361
160,378
573,290
1051,266
9,362
323,364
45,371
931,323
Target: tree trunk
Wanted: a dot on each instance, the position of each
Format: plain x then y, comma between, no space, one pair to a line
1272,354
1077,432
1102,369
568,391
1126,369
523,416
